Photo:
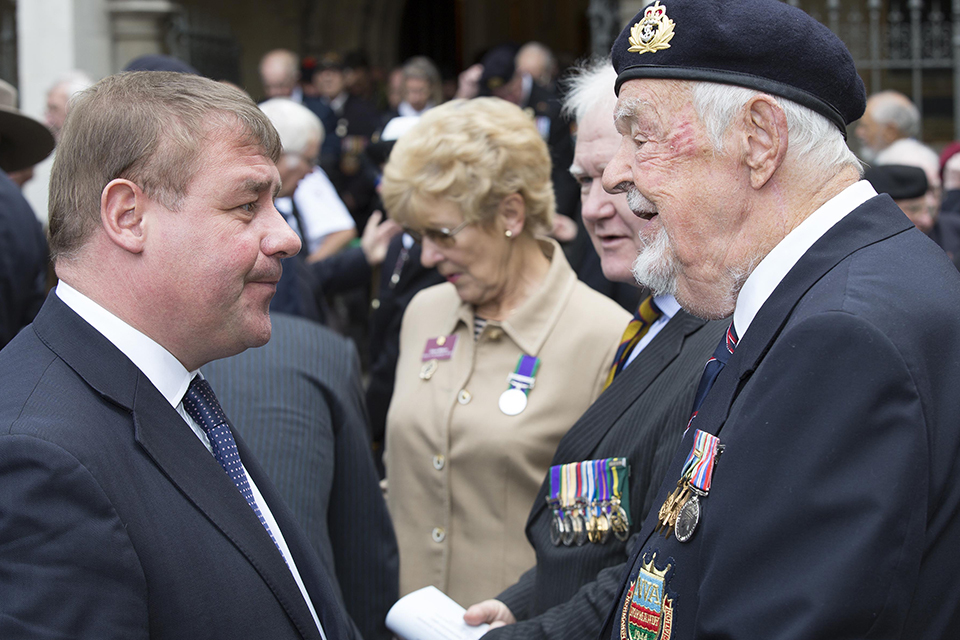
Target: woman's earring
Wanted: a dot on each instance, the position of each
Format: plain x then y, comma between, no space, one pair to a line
508,233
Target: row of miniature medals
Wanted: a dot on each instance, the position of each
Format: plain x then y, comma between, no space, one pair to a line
587,499
680,512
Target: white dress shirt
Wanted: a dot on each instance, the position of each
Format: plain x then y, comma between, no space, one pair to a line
775,266
171,379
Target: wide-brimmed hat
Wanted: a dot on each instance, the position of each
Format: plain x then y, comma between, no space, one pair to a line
23,141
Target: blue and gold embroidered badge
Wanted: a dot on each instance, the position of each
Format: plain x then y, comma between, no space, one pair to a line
647,610
653,32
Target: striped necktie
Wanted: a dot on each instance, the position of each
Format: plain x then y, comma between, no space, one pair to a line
646,314
713,368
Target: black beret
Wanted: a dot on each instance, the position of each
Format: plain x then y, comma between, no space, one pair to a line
498,68
765,45
900,181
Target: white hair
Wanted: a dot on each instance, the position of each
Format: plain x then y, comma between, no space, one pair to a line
590,86
812,138
296,125
912,153
892,107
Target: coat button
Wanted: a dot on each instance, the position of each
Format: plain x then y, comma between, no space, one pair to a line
438,461
464,397
438,534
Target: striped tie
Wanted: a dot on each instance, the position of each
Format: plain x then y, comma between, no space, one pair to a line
647,313
714,366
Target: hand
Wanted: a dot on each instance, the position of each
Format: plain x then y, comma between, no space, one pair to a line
951,173
564,228
468,82
493,612
376,238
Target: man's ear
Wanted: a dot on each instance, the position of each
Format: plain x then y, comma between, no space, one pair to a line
765,131
513,213
122,208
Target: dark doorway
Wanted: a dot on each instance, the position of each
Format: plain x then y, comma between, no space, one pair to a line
429,28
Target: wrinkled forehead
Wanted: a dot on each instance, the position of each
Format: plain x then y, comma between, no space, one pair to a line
649,104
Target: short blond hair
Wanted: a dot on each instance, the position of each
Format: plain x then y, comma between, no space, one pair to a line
148,127
473,153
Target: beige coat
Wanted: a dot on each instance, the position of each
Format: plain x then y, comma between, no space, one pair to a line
462,475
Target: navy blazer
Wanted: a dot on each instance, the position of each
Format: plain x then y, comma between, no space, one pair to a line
835,506
115,520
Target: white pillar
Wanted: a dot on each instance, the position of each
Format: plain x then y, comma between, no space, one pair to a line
54,37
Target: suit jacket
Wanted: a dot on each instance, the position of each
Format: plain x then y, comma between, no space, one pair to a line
115,520
641,417
298,402
23,261
835,508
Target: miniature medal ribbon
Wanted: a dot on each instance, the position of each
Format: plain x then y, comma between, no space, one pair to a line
587,500
514,400
698,469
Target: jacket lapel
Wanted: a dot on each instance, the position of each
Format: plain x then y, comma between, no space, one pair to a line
174,448
875,220
585,435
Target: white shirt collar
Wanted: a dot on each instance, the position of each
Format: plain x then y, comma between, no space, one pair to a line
159,365
667,304
775,266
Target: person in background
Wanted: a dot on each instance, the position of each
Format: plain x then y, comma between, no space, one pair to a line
496,363
24,142
890,116
843,357
634,426
537,60
308,200
908,187
421,87
910,152
58,99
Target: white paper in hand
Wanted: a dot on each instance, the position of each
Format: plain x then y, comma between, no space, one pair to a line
429,614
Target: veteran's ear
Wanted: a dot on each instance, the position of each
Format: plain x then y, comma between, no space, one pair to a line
122,205
765,138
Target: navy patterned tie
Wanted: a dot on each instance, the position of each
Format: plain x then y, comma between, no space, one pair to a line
201,404
713,367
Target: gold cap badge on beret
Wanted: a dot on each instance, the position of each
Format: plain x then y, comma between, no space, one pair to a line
653,32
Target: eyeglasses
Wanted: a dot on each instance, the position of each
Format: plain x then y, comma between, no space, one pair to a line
442,236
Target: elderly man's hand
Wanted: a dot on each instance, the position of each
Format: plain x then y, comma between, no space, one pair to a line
376,238
493,612
468,83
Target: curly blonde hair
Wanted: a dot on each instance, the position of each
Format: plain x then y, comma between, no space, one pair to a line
473,153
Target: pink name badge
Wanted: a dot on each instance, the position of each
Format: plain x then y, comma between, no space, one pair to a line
440,348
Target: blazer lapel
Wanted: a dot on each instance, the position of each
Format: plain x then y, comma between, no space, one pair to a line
586,434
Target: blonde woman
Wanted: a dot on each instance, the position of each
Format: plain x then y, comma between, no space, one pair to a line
495,364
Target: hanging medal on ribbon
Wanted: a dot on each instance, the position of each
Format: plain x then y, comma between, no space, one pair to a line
618,472
567,496
680,512
514,400
557,527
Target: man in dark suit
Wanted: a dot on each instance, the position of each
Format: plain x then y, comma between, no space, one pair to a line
129,509
639,417
298,402
834,509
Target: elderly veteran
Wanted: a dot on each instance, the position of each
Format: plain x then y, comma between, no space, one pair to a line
632,429
496,363
834,509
